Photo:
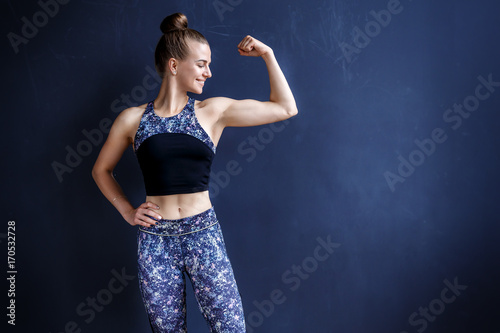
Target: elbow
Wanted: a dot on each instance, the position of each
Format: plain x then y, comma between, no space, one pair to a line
98,172
95,173
291,110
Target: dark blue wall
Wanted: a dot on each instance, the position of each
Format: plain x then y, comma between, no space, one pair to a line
374,210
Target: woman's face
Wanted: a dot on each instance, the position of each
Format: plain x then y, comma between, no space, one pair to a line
193,71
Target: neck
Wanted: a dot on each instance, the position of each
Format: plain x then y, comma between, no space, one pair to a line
170,100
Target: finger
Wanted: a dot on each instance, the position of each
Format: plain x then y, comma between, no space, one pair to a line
149,221
244,43
153,214
248,45
139,222
149,204
242,46
247,49
147,209
142,218
244,53
148,215
154,206
145,223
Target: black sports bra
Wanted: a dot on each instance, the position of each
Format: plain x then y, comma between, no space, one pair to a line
175,153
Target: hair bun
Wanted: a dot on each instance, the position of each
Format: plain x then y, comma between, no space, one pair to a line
177,21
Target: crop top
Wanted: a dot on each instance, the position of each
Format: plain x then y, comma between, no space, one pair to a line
175,153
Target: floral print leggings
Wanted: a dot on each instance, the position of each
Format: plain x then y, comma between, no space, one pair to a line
193,245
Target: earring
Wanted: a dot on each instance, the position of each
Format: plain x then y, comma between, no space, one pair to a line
175,72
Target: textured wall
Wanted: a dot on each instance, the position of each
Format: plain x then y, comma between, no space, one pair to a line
374,210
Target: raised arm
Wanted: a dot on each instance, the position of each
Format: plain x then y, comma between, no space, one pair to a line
248,112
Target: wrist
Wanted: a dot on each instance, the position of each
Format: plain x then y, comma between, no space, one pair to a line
269,55
126,213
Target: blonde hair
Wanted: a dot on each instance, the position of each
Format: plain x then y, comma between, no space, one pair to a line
173,43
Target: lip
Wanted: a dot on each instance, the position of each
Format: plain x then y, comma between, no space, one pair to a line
201,82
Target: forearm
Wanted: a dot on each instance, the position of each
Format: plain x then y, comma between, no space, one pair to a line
280,90
112,191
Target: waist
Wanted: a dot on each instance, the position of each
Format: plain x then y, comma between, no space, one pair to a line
183,226
178,206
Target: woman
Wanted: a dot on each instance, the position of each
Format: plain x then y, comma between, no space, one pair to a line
174,138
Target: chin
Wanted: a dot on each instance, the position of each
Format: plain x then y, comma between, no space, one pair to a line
196,91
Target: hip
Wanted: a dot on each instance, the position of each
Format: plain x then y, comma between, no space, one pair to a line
183,226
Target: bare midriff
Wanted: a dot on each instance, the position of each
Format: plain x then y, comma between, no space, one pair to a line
177,206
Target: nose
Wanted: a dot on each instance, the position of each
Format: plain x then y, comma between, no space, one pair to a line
208,73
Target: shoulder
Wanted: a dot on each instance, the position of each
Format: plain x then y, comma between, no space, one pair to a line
128,120
131,115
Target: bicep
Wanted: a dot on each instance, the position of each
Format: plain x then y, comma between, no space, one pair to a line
249,112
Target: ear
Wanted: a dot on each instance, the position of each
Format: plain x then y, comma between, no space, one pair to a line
172,66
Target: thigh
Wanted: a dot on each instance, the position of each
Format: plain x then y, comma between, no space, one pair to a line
211,274
161,282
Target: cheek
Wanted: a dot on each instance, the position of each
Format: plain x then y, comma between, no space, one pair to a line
195,72
188,76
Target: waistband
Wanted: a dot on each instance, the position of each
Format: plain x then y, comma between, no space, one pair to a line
183,226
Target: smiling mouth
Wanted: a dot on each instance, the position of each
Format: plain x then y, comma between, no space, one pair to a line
201,82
